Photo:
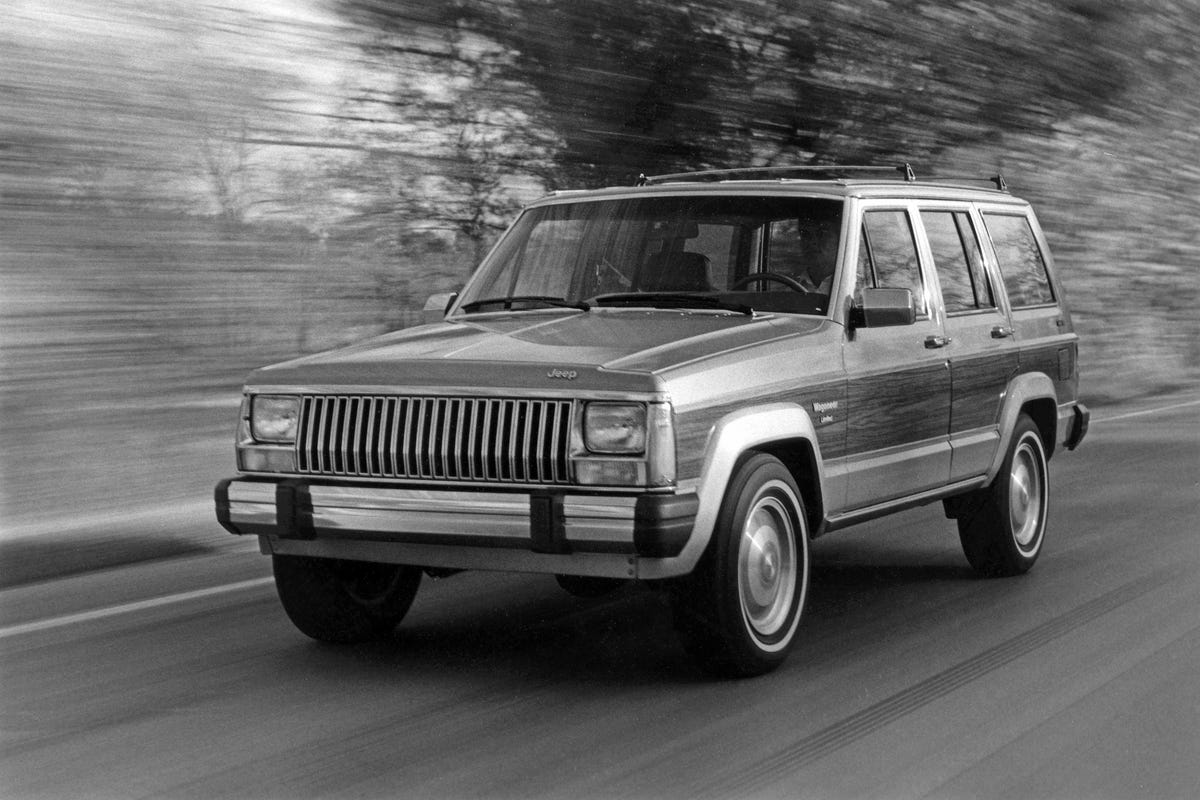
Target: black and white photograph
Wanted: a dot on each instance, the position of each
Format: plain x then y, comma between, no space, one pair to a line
515,399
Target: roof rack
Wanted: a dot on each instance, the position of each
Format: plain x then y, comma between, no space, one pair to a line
997,179
752,173
818,172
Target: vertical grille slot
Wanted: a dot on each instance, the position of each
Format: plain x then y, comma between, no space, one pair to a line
495,440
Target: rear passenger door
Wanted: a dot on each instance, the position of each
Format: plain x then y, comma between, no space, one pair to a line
981,348
1041,328
898,381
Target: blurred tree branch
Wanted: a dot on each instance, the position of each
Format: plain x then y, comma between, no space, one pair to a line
225,159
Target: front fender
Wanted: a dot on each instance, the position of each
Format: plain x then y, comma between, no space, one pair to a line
731,437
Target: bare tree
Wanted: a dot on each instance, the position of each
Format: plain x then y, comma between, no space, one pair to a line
224,156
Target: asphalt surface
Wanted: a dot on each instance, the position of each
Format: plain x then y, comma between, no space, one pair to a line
181,676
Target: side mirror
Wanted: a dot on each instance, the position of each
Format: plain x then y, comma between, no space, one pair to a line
882,308
437,306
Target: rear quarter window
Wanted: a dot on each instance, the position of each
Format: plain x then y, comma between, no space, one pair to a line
1020,259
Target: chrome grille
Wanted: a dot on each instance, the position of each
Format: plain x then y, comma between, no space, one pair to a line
503,440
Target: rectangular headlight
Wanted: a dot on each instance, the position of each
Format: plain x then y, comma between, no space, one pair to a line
274,418
614,427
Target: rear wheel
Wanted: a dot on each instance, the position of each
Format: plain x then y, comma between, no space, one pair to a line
1003,533
738,613
333,600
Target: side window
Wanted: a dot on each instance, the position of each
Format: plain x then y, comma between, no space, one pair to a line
1021,263
958,260
887,257
984,296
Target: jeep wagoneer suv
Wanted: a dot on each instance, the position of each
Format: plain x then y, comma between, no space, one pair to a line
682,382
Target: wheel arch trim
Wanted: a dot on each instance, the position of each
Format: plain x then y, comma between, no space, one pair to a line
731,437
1030,387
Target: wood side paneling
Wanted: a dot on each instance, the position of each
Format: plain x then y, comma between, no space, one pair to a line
898,408
1057,360
978,384
692,428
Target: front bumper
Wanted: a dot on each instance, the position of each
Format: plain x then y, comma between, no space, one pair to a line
539,531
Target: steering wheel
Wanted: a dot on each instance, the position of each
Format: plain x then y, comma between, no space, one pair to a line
786,280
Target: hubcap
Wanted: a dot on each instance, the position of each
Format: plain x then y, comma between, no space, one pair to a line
767,565
1025,496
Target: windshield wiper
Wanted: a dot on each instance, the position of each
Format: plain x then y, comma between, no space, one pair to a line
669,300
534,300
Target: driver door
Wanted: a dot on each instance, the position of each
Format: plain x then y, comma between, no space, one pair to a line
898,378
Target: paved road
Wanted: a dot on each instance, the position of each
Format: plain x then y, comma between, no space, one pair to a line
913,678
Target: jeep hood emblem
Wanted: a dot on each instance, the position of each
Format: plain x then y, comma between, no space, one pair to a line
562,374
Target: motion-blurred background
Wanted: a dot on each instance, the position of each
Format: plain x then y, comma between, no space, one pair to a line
192,189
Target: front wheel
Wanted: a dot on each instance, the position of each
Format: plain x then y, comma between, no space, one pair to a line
334,600
738,613
1003,534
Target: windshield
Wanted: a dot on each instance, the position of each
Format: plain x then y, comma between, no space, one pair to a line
733,252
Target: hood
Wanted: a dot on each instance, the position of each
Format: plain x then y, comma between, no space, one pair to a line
608,349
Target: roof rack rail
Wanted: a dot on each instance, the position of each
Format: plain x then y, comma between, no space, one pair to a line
997,180
752,173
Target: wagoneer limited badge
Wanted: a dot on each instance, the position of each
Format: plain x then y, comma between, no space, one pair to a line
563,374
825,410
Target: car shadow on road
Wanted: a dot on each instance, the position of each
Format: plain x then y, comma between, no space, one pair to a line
527,627
625,636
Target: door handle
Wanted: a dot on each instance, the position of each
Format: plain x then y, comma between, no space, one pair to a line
1001,332
934,342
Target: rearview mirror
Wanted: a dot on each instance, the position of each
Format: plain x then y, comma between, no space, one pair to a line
882,308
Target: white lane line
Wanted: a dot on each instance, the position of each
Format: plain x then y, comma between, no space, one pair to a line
1146,412
126,608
